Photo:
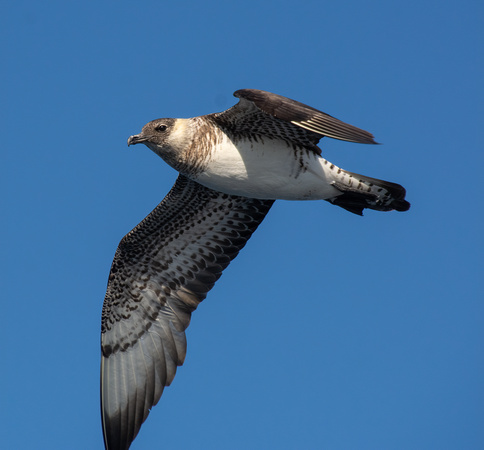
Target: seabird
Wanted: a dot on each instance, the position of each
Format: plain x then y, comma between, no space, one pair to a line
232,166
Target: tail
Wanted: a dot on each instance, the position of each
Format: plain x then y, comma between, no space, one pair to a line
359,192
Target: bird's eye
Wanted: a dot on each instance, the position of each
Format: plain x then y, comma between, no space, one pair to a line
160,127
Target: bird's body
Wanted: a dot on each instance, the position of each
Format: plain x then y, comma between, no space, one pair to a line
243,168
232,166
246,166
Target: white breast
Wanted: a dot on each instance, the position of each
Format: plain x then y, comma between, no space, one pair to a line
270,170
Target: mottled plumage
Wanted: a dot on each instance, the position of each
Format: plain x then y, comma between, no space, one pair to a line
232,166
161,271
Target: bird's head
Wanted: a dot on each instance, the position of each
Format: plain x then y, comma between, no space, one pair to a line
155,134
165,137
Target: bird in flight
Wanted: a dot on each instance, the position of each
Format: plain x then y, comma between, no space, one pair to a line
232,166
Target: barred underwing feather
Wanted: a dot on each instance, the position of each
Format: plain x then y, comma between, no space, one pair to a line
161,271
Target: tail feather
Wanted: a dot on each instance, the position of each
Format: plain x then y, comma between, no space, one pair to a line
359,192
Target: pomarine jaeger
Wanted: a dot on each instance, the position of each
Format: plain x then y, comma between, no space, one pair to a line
232,166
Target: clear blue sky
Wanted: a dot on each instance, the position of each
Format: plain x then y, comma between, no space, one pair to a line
329,331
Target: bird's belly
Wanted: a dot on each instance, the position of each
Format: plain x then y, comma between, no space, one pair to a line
270,170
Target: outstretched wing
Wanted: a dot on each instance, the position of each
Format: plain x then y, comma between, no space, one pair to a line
161,271
265,114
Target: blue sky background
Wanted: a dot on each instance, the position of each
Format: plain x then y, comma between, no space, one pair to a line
329,331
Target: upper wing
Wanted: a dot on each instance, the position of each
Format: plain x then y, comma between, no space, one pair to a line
161,271
263,113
